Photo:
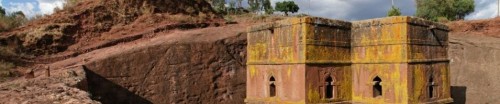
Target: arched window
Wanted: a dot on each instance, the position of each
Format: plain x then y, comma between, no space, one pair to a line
377,88
272,87
431,87
329,90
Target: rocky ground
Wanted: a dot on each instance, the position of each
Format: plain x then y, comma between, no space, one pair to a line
63,87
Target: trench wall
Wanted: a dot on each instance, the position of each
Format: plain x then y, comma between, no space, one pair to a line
475,60
173,72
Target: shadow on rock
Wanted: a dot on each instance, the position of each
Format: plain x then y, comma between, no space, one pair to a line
458,93
108,92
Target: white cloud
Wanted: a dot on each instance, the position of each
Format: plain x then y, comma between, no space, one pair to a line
484,9
352,9
28,8
47,6
31,9
365,9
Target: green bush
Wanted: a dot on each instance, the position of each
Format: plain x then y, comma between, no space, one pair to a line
12,20
254,5
5,65
266,5
442,19
394,11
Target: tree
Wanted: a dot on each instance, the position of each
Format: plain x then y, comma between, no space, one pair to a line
232,7
18,18
394,11
240,3
254,5
287,6
12,20
232,4
267,7
2,11
70,3
260,5
463,8
219,5
18,14
449,9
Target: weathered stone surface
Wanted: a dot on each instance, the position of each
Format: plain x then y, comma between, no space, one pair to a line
182,68
475,61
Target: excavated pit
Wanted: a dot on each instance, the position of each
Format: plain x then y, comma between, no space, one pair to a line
208,70
197,66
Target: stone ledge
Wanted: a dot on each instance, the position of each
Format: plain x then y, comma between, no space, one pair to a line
409,61
397,20
302,20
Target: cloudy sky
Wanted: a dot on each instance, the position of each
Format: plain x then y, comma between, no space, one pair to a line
31,7
337,9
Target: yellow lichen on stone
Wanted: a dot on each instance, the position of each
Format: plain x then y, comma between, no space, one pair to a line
313,95
289,72
388,47
252,70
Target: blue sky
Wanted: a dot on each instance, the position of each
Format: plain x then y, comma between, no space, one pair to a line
336,9
31,7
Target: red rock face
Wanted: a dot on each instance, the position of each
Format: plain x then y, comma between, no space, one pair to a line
189,72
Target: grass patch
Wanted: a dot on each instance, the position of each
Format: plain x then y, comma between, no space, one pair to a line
5,65
5,73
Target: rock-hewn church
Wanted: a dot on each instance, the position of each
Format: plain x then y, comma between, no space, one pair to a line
315,60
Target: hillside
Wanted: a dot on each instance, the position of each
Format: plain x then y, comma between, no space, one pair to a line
486,27
94,24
